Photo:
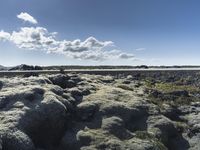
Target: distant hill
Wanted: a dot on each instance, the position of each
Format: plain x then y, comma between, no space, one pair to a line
93,67
113,67
26,67
69,67
3,68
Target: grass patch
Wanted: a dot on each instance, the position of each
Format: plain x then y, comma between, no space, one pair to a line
162,92
171,100
149,82
170,87
146,136
143,135
125,87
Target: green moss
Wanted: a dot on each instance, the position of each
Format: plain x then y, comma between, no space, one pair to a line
181,126
159,145
173,101
166,93
156,101
149,83
169,87
125,87
143,135
146,136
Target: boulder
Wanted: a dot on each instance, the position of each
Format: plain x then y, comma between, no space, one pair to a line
76,79
69,141
32,116
86,110
84,137
46,119
107,79
76,94
170,112
15,140
70,83
162,128
129,77
57,90
60,80
119,110
193,120
116,126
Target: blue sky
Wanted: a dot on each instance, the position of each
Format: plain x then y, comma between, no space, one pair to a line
152,32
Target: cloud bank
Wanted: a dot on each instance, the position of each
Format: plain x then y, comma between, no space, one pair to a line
39,38
27,18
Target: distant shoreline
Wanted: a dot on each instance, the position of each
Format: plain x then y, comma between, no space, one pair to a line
98,71
111,67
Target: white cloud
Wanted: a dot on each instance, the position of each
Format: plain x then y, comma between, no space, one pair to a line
140,49
4,35
126,55
78,46
26,17
33,38
39,38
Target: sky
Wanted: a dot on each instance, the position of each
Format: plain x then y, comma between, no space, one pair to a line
99,32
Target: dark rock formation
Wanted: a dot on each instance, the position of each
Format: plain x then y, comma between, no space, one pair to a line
90,112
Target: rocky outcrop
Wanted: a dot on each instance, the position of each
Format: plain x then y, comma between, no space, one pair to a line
59,112
31,115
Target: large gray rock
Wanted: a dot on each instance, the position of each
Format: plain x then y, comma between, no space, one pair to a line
162,128
116,126
107,79
118,109
86,111
170,112
69,141
47,119
16,140
32,115
60,80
